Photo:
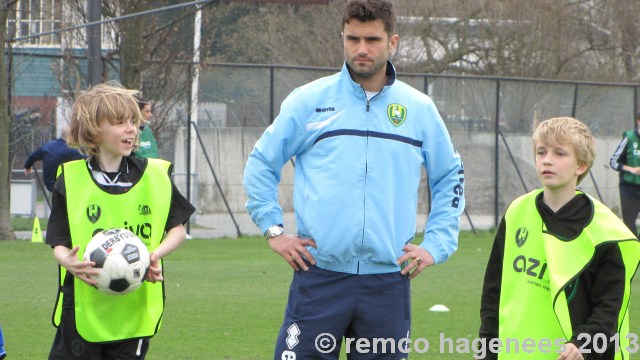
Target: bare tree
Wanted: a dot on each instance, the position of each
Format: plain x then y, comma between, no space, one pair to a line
568,39
274,34
621,27
143,54
578,40
130,39
6,229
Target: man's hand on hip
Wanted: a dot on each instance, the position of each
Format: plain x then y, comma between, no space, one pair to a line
418,259
293,250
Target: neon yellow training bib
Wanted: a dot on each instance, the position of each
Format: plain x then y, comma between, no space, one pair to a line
144,210
537,267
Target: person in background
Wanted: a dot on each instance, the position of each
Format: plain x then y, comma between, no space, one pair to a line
626,160
360,139
560,269
147,146
52,154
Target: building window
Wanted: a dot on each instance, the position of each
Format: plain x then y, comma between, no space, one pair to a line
35,17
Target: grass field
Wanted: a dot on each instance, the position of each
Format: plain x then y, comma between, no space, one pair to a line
226,299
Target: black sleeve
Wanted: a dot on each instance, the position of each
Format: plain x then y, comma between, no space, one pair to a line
604,286
180,211
58,232
619,157
490,301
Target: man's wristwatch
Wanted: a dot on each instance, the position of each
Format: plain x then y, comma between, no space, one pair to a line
273,231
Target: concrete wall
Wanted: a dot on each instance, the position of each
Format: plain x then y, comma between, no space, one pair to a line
228,149
478,153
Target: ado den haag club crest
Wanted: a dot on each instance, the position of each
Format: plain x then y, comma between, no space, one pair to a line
521,236
397,114
93,213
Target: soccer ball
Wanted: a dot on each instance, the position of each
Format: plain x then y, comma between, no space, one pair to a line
122,259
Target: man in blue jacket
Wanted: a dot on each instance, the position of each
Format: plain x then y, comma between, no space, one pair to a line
53,153
360,138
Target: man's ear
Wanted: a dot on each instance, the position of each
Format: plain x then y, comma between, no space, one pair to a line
393,42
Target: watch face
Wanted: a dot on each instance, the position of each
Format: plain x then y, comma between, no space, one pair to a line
274,231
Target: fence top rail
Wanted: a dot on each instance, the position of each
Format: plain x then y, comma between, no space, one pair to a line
511,78
263,66
326,68
426,75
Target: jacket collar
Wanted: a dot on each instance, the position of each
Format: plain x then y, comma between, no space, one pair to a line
390,72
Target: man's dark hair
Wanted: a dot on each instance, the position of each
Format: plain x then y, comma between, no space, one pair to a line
370,10
141,102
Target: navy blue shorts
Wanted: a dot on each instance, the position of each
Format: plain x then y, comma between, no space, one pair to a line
69,345
326,306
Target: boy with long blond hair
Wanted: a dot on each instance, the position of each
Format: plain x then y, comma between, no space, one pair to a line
108,190
558,279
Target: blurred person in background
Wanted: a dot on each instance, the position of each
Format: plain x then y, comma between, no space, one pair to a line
52,154
626,160
147,147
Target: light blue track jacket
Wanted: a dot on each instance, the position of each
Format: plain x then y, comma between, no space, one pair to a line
357,171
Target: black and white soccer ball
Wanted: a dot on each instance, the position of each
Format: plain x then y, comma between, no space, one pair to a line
121,257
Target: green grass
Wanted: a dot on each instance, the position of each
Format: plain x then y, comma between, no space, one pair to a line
226,299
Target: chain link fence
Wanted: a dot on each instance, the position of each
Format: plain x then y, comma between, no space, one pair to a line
490,121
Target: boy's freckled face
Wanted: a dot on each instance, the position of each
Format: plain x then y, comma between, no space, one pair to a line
117,139
557,165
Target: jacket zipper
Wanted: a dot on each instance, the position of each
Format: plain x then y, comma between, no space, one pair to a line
366,170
